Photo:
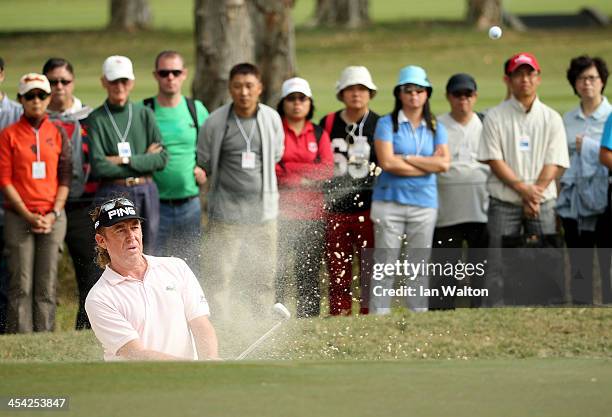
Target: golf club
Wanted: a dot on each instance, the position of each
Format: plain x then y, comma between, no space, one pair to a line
281,311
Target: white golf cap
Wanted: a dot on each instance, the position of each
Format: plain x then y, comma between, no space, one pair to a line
33,81
296,85
355,75
116,67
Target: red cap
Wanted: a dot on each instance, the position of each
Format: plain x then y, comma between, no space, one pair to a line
524,58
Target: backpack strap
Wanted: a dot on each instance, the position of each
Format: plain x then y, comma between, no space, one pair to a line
329,122
318,131
193,113
149,102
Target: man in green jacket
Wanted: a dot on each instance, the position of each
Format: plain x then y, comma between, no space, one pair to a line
126,146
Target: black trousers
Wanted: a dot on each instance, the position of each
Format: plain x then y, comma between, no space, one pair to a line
81,245
581,248
448,245
302,240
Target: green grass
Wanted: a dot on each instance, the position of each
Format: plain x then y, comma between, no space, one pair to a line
543,388
512,333
178,14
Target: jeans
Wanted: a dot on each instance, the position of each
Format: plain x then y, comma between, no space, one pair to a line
180,234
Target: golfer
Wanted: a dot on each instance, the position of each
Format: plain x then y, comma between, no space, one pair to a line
144,307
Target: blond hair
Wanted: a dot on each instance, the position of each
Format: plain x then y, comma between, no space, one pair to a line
102,257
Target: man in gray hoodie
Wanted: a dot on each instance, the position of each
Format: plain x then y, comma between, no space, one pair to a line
238,147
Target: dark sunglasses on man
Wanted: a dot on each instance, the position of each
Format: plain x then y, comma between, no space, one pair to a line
60,81
166,73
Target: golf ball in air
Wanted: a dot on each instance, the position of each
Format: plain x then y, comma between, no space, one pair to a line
495,32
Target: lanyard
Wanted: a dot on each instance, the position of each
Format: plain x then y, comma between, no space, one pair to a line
353,126
123,137
419,140
246,138
37,144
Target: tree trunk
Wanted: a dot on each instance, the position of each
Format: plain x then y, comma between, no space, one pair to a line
275,45
484,13
223,39
130,15
232,31
347,13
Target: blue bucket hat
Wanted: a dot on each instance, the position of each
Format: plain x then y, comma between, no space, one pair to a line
413,74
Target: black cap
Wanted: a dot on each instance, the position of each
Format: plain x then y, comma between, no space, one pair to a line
115,211
461,82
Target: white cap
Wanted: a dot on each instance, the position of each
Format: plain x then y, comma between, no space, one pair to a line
355,75
296,85
116,67
33,81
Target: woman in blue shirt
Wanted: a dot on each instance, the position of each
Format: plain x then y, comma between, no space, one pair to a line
411,147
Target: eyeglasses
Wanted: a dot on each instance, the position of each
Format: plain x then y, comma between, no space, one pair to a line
166,73
29,96
296,97
60,81
459,94
589,78
407,89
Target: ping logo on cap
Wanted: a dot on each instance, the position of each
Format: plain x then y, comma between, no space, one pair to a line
121,211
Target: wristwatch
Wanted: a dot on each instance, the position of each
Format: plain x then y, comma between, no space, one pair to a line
57,214
125,160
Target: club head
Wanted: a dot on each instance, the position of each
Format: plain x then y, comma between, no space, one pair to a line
281,311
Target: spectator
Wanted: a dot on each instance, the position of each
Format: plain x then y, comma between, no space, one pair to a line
238,148
67,110
126,146
349,193
168,320
10,111
306,162
605,157
411,147
35,170
462,194
179,119
523,142
583,199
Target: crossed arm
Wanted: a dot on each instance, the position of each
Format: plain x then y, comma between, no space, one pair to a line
413,165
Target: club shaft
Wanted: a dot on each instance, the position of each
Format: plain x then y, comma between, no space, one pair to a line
258,341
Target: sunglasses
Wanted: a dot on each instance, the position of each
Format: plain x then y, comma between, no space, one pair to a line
29,96
166,73
459,94
406,89
60,81
301,98
111,204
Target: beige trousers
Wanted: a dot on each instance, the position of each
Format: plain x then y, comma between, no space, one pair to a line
240,262
32,263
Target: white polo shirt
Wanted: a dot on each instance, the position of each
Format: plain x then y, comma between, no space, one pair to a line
155,310
526,141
